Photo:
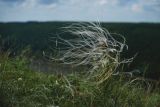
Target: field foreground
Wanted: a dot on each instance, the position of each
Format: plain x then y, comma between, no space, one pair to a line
22,87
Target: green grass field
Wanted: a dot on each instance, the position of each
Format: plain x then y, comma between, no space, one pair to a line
22,87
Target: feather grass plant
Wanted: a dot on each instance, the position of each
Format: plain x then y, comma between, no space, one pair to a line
94,46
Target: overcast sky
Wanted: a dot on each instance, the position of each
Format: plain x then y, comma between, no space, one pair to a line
80,10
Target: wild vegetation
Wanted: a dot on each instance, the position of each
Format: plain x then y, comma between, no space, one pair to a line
107,85
22,87
141,38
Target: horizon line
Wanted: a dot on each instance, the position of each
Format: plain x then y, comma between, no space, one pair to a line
38,21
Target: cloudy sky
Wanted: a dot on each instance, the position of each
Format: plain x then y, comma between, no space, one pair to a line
80,10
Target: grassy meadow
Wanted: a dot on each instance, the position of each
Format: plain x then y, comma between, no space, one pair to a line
21,86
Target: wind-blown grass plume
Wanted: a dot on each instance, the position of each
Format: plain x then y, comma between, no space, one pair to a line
93,46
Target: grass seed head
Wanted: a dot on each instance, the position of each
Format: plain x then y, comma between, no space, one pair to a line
93,46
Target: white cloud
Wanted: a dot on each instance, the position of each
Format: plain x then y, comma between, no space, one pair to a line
51,6
34,4
136,8
107,2
29,3
85,10
103,2
151,5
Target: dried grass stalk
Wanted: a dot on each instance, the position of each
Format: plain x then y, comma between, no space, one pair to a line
93,46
